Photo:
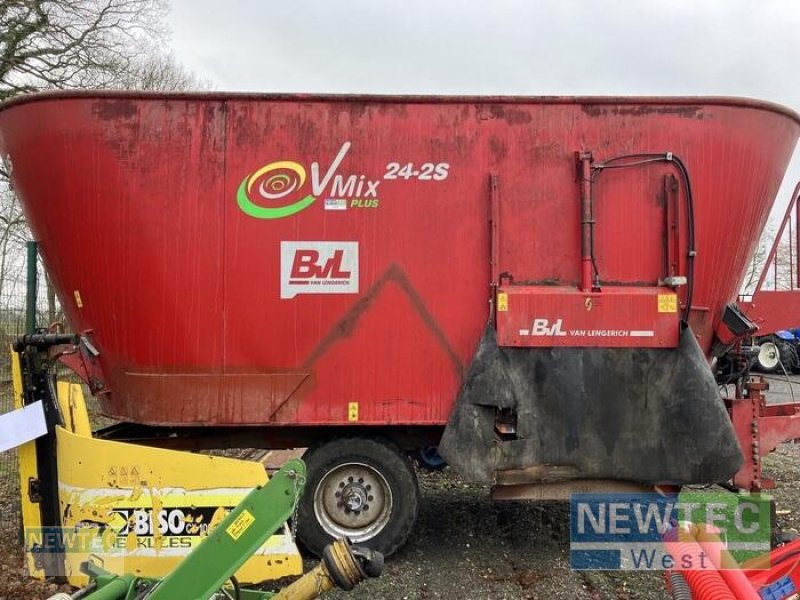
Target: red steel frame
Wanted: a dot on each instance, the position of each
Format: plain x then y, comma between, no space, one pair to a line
762,427
773,310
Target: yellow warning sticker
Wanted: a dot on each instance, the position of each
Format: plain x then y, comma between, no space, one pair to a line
667,303
502,302
78,300
352,411
240,524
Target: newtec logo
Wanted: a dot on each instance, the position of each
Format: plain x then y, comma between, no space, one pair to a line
647,531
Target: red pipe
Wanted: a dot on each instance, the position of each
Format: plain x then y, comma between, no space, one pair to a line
586,220
729,569
709,569
791,257
705,582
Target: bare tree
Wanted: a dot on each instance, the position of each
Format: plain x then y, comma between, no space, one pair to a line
57,44
46,44
156,70
757,263
781,273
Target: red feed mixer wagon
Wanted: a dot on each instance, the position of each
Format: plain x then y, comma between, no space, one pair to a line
536,286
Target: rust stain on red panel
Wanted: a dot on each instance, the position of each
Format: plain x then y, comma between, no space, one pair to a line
689,112
244,398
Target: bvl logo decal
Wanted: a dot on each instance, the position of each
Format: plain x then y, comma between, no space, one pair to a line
319,268
543,327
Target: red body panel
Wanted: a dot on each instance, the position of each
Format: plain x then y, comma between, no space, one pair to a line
150,215
638,317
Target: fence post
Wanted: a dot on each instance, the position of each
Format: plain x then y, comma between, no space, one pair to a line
31,287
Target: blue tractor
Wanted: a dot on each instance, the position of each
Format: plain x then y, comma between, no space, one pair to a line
779,351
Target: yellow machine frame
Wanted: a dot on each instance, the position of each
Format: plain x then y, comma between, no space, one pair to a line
137,509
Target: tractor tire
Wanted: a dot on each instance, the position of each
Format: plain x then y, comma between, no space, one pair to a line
430,459
789,357
363,489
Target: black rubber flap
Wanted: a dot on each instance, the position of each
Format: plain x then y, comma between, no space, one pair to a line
647,415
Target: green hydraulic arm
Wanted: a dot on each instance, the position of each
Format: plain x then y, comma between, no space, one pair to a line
236,537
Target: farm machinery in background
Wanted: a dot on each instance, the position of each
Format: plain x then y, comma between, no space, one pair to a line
778,352
764,341
776,311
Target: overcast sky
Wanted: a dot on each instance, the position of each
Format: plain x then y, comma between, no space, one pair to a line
538,47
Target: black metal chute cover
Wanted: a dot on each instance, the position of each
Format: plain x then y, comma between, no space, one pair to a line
647,415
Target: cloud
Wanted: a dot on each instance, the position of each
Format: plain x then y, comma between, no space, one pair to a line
536,47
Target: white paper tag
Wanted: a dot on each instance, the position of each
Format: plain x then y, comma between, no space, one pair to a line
22,425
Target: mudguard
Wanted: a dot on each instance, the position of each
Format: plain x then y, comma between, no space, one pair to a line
647,415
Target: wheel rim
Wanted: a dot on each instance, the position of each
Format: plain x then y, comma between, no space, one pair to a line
353,500
768,355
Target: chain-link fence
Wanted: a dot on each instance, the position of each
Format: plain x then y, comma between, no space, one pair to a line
13,292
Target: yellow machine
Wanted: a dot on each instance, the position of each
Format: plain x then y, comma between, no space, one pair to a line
134,509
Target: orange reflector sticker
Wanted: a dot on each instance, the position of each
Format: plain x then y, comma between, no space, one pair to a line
667,303
502,302
352,411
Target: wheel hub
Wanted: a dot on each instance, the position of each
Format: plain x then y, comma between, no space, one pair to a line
768,355
353,500
354,497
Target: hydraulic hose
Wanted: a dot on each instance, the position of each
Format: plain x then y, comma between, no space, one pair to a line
633,160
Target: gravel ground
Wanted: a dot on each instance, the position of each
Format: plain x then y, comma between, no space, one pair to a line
782,388
464,547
